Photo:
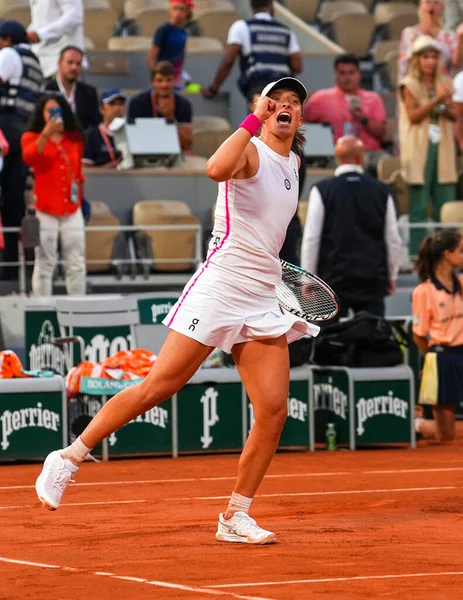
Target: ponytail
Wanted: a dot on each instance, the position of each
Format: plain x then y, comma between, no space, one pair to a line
432,250
298,142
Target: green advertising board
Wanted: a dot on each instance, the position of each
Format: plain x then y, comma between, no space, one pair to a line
210,416
331,404
153,310
383,411
149,433
41,328
33,419
296,431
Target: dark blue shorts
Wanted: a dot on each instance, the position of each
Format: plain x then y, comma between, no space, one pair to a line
450,374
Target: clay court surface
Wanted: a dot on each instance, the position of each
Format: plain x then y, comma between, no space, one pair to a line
365,524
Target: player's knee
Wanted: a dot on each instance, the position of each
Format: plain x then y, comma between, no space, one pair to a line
151,396
274,416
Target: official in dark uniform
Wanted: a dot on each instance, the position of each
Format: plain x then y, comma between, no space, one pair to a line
351,238
21,82
268,50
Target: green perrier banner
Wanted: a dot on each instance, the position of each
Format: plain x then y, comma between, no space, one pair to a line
331,404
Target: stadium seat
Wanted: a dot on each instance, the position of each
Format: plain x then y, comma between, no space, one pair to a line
330,10
384,11
381,49
132,43
452,212
159,246
149,19
304,9
368,4
392,63
302,212
215,22
109,65
89,45
16,10
99,25
204,45
149,209
397,24
353,32
210,123
133,7
206,142
100,245
93,4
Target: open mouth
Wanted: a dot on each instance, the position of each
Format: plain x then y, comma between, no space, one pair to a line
284,117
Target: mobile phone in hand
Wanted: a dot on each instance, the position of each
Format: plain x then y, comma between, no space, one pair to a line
56,113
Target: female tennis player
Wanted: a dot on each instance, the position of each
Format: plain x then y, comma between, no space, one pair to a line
229,303
438,328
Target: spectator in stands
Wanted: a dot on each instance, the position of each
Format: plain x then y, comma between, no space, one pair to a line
350,110
268,50
55,25
53,147
162,101
169,40
100,147
20,86
351,237
450,43
192,26
426,114
437,330
81,97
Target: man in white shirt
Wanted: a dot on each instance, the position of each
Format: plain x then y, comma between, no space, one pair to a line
268,50
351,238
55,24
21,84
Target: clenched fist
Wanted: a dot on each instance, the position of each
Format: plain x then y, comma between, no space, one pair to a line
265,108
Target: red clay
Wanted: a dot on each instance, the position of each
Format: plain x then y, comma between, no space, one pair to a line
170,539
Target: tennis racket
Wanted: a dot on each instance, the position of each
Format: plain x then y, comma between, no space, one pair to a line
306,295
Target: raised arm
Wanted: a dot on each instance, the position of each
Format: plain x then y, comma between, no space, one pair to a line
236,158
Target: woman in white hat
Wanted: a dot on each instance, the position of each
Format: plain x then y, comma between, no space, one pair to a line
430,24
426,116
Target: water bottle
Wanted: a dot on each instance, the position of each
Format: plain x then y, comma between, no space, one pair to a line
330,437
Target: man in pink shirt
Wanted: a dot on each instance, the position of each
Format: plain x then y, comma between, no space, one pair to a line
349,109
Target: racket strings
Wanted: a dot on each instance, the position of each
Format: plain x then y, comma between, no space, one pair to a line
302,294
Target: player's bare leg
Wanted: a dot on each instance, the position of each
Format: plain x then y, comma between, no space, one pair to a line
178,360
264,370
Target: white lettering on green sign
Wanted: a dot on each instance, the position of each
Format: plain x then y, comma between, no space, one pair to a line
210,415
160,310
157,417
329,397
27,417
45,355
100,347
297,410
379,405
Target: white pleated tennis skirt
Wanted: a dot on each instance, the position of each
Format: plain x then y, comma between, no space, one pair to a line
220,312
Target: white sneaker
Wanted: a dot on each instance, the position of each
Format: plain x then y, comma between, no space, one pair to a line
241,528
57,472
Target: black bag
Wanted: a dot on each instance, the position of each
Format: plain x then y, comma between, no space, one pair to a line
30,230
366,340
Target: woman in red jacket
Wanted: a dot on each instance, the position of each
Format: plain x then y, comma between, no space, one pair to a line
53,147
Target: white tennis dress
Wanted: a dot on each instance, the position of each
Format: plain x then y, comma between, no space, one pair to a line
231,298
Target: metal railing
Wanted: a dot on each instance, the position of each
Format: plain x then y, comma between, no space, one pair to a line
132,262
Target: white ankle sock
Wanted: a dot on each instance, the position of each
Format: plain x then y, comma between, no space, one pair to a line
76,452
239,503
